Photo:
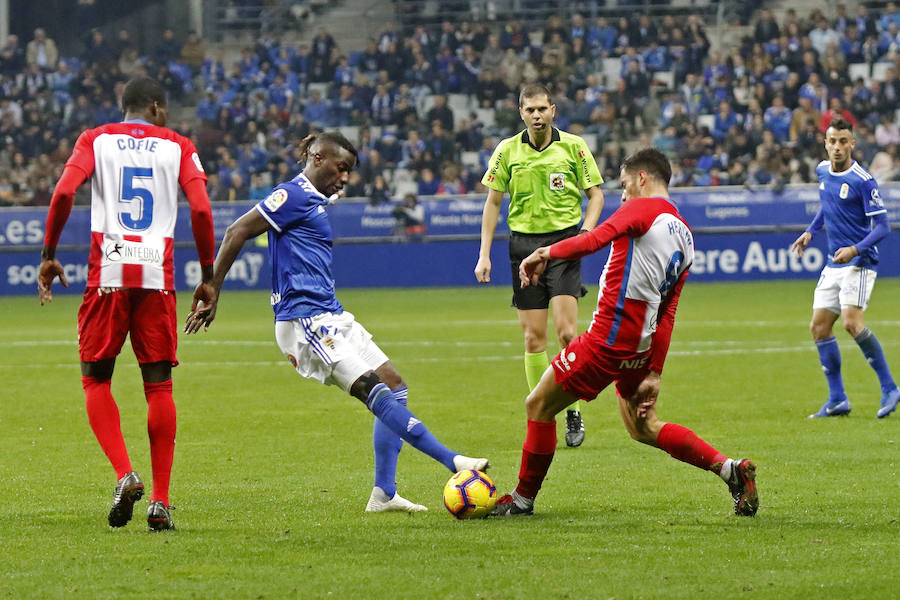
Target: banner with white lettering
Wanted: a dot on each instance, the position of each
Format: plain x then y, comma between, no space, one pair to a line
740,234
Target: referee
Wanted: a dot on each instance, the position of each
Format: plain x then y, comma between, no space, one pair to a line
544,170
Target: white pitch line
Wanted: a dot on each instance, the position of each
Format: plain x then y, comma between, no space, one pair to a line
809,348
712,344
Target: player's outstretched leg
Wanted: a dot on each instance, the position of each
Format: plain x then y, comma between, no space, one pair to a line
387,446
537,454
871,349
403,423
740,475
830,357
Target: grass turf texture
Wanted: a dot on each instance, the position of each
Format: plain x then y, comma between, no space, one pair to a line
272,472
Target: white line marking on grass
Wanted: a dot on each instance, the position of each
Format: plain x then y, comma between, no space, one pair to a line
809,348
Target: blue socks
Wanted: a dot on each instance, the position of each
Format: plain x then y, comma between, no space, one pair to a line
403,423
387,447
871,349
830,357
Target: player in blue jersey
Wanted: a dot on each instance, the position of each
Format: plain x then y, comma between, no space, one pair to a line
321,340
855,220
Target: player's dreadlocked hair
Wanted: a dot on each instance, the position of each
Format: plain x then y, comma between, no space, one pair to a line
651,160
335,137
141,92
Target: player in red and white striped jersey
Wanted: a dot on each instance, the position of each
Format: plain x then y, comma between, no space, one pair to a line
628,339
136,168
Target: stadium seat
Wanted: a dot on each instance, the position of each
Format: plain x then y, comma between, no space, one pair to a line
612,70
470,159
666,77
879,70
486,116
403,176
591,140
459,102
351,132
859,70
401,188
321,87
459,115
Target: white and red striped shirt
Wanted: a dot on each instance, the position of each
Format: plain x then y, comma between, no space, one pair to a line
136,169
652,249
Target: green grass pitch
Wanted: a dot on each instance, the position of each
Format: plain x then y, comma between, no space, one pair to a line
272,472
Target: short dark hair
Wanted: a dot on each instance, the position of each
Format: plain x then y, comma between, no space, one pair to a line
333,137
534,89
651,160
142,92
840,123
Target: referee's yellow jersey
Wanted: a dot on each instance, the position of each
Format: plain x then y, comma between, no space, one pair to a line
544,185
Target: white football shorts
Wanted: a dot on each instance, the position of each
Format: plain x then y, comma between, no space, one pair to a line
844,286
331,348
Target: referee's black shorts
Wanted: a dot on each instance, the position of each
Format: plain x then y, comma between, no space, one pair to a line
560,278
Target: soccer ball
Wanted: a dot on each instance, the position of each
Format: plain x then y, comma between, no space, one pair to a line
470,495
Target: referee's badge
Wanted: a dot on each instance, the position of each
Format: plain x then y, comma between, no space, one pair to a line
557,181
845,190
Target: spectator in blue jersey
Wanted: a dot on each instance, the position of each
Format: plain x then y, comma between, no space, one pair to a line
318,337
855,219
724,120
316,109
777,119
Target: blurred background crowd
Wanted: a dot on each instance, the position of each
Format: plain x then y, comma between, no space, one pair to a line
741,99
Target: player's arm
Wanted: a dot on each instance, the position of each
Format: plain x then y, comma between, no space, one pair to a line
594,207
489,217
665,323
874,209
881,227
648,390
248,226
806,237
60,208
589,179
204,238
575,247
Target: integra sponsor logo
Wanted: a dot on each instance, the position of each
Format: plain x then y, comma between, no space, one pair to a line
132,253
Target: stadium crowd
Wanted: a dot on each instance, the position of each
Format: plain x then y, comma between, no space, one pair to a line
752,113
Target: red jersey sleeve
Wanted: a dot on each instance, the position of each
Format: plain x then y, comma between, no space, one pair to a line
61,202
201,220
632,219
666,322
191,167
83,153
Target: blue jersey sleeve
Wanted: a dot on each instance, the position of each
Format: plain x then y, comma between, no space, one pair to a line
872,202
286,206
